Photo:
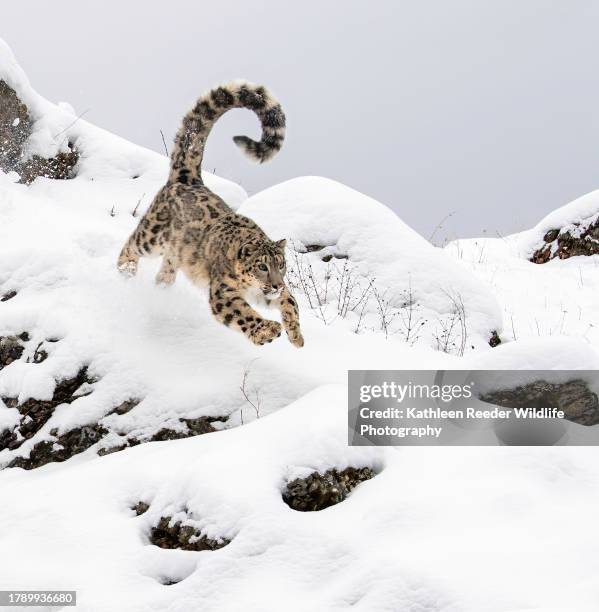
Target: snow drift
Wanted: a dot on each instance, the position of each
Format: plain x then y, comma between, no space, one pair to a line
417,292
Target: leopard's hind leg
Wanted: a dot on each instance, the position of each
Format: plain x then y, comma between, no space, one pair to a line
168,270
129,257
143,242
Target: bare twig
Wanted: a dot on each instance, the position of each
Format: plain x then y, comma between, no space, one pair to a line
164,143
245,392
72,124
440,225
134,213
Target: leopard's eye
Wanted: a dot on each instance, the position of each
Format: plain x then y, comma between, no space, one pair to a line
281,265
263,267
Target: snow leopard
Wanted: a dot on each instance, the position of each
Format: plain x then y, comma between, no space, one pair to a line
195,231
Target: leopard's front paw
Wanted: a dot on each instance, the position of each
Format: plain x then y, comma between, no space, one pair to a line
295,336
265,331
127,268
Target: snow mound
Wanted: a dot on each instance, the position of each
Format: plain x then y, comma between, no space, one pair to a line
362,263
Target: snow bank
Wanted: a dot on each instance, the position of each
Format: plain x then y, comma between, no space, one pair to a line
103,156
435,530
570,218
415,280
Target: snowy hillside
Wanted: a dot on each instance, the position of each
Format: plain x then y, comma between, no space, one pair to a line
556,298
101,378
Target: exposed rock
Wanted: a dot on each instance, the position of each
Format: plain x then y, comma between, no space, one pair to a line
494,340
34,415
62,448
40,354
10,349
8,296
169,534
194,427
15,129
319,491
577,401
580,238
327,258
125,407
312,248
140,508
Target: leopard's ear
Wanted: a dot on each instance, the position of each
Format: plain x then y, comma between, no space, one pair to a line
280,244
245,250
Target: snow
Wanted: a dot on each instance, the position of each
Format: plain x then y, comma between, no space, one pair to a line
580,212
436,530
555,299
380,247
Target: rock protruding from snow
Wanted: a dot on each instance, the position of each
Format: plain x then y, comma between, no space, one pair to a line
577,238
16,126
49,140
11,349
175,533
320,491
574,398
569,231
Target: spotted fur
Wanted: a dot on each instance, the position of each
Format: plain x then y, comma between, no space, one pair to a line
193,230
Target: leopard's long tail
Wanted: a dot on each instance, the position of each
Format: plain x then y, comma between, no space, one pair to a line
187,156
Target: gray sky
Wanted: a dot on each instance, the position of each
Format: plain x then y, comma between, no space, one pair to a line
489,109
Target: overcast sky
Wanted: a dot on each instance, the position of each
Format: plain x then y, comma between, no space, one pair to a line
488,110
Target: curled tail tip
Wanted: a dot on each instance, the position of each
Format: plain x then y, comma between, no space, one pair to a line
257,151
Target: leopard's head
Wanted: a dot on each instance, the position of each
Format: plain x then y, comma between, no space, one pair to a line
261,265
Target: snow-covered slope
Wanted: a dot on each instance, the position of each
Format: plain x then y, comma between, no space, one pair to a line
441,530
557,298
416,291
134,342
111,171
437,530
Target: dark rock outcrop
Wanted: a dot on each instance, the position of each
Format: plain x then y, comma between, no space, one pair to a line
583,240
15,129
8,296
494,340
36,413
62,448
574,398
140,508
169,534
319,491
11,349
194,427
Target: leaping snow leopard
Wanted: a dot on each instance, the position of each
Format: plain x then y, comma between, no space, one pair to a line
193,230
